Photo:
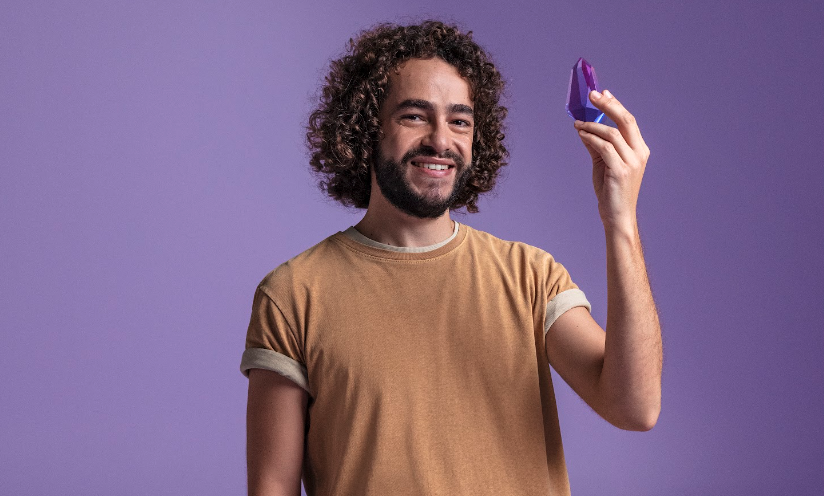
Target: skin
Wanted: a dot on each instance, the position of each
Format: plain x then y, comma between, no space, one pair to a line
617,372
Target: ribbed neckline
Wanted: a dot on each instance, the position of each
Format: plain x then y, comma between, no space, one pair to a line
359,237
374,248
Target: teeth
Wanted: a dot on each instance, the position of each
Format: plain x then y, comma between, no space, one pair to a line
434,166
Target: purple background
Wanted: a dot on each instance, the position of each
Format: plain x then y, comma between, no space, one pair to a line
152,171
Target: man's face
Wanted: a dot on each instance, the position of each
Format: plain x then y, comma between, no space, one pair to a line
425,155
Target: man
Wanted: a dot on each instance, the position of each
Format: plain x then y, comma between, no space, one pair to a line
410,354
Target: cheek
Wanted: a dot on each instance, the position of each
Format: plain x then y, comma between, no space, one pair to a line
395,145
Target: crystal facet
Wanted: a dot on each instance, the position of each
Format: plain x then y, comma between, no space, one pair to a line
581,82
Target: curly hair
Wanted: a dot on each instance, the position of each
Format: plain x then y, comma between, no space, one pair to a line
344,130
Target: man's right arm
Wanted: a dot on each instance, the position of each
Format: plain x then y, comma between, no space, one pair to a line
275,423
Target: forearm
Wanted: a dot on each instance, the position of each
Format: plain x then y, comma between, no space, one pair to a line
630,381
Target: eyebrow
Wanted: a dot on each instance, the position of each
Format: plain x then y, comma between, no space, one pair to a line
455,108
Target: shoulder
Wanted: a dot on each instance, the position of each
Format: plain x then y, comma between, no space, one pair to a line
513,251
520,260
301,269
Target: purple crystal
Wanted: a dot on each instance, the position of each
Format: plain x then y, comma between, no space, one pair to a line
581,82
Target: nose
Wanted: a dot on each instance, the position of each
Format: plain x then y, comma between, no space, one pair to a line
437,137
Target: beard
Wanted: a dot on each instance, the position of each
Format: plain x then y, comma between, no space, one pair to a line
397,190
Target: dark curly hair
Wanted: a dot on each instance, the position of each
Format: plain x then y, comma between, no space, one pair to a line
344,130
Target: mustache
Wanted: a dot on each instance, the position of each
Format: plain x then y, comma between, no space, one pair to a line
426,151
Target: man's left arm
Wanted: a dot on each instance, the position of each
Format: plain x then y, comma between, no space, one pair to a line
618,373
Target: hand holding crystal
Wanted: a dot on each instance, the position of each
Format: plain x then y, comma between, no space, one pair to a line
619,157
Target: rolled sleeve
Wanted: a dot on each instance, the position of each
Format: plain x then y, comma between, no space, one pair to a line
562,302
261,358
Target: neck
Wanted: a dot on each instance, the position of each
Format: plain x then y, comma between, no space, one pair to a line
386,224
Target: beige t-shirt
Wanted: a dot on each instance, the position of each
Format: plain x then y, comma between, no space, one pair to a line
426,369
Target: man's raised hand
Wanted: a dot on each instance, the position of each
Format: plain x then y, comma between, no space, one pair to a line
619,157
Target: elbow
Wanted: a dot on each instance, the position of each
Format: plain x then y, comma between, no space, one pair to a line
641,420
642,423
634,409
636,419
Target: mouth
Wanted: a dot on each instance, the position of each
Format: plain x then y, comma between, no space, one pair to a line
432,164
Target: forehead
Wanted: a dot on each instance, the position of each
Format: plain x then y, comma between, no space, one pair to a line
433,80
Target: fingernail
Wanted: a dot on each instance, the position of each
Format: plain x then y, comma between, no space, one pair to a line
579,123
607,93
595,95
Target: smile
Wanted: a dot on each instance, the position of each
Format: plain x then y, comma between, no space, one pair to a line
431,166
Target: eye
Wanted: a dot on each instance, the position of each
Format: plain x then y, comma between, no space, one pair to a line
462,126
412,117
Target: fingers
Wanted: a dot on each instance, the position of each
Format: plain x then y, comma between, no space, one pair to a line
604,140
592,152
601,150
625,121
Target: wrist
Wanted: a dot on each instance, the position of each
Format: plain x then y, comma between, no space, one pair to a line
622,229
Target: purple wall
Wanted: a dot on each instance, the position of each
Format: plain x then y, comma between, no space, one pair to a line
152,171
